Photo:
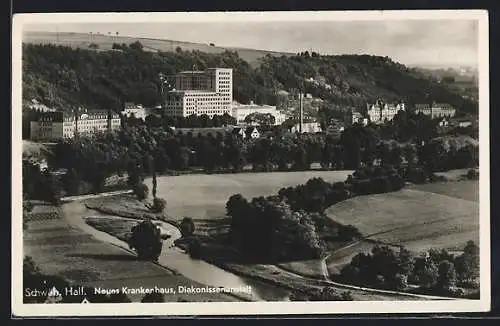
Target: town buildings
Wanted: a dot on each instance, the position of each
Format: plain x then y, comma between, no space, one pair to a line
40,107
247,133
49,126
353,116
241,111
207,92
135,110
435,110
381,112
307,127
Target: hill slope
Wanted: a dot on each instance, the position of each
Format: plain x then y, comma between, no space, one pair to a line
105,42
62,77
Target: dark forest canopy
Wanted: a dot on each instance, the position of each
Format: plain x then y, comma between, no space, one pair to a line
64,77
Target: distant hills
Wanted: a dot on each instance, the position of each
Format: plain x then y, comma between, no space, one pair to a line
73,74
105,42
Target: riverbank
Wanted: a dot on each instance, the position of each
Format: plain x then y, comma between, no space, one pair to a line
60,249
265,273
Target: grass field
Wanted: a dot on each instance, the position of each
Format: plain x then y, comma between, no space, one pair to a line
437,215
33,149
417,219
309,268
468,190
205,196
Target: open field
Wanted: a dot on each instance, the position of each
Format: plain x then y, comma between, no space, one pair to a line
308,268
205,196
467,189
417,219
34,149
105,42
435,215
59,249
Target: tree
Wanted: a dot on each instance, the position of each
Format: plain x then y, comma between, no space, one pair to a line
53,188
425,272
238,208
136,46
159,205
446,275
467,264
135,174
236,205
71,182
187,227
261,119
195,248
141,191
400,282
155,184
146,240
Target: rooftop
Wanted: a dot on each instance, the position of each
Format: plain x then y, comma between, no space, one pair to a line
192,72
182,91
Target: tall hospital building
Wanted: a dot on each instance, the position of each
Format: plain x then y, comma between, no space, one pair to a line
207,92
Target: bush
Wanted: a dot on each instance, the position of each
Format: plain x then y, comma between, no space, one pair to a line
328,294
417,175
195,248
437,178
397,182
349,232
159,205
29,266
400,282
346,296
146,240
473,174
141,191
187,227
469,284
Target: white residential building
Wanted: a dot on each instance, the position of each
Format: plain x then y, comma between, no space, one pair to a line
381,112
353,117
307,127
241,111
136,110
207,92
35,105
57,125
436,110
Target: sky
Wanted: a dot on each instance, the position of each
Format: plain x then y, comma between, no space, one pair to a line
448,42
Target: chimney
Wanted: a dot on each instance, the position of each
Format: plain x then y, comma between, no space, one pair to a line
109,120
76,113
301,113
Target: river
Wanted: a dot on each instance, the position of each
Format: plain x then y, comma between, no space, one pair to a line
176,259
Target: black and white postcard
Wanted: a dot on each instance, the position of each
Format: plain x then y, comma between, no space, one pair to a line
244,163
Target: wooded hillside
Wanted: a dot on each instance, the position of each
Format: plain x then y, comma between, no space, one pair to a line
63,77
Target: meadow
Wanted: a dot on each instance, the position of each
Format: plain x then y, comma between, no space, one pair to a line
205,196
419,220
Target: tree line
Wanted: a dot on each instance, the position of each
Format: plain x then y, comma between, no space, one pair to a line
192,121
435,271
90,160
